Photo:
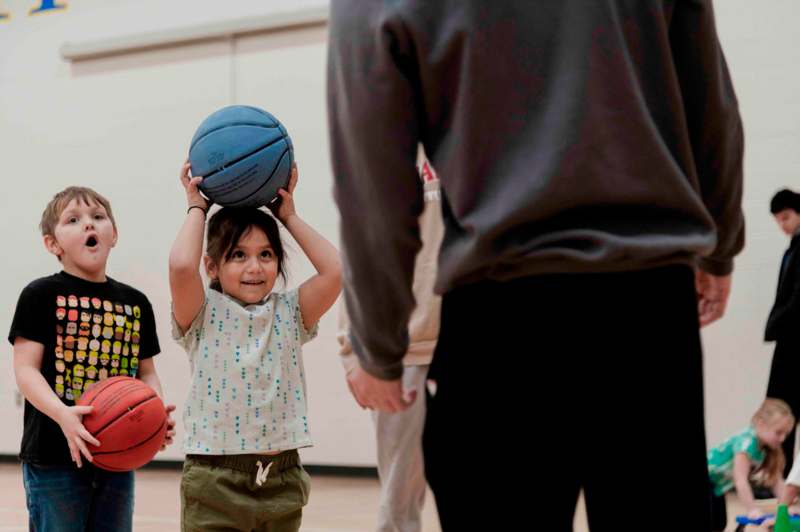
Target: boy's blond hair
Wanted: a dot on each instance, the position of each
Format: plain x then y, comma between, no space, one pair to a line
60,201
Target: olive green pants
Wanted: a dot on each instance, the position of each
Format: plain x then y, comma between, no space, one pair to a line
249,492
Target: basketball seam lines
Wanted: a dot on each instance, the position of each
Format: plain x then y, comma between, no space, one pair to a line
153,435
101,429
266,181
243,157
103,387
210,131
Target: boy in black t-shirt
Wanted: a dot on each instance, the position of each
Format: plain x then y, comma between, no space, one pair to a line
71,330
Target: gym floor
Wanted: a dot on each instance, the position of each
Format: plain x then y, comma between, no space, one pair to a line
337,504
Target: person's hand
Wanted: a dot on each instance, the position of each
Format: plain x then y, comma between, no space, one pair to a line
712,296
170,427
193,196
70,419
377,394
283,209
755,513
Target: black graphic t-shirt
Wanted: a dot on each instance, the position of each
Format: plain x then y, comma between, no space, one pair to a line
90,331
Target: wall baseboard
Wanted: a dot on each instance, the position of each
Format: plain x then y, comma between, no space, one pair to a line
313,469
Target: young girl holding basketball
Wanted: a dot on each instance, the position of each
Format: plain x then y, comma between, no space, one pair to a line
245,416
756,453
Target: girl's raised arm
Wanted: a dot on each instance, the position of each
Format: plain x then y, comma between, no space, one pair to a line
185,282
319,292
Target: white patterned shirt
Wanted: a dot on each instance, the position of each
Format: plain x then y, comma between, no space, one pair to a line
248,389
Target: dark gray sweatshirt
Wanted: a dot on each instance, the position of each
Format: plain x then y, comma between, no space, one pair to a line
569,136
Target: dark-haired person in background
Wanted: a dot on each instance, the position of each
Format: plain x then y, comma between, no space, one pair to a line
782,325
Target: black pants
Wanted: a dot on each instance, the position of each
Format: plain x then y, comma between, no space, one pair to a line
783,385
553,383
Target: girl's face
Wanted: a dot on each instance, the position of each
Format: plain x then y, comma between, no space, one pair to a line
773,434
250,272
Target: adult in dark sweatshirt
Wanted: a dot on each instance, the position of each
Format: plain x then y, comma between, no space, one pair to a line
590,156
783,324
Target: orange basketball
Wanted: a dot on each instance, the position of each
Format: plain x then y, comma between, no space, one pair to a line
129,421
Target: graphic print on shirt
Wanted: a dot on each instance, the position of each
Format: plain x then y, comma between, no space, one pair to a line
430,182
95,339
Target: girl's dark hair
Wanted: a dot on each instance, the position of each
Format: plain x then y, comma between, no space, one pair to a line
229,224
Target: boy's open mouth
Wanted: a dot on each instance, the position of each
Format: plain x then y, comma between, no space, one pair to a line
91,241
254,283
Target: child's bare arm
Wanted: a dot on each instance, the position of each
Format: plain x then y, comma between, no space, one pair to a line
185,282
741,480
789,494
148,375
27,370
319,292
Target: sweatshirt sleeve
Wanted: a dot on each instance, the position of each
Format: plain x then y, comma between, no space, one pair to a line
714,124
374,112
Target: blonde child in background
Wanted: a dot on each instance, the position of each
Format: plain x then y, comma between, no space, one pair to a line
245,416
754,453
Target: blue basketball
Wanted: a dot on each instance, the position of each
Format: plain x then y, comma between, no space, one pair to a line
244,155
